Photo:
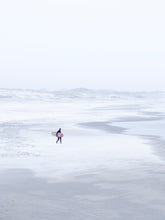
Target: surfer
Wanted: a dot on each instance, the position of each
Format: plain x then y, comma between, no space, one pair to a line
58,135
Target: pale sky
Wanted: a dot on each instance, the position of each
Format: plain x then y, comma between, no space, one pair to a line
99,44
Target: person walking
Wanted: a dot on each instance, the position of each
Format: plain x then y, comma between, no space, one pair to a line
58,135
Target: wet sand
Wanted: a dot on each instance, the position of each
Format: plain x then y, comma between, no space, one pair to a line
102,194
105,194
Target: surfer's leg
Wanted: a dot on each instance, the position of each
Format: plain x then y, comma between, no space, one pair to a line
57,140
60,140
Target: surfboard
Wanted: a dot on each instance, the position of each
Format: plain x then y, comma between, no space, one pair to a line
53,133
59,134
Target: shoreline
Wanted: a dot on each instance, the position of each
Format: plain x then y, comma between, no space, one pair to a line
136,192
115,127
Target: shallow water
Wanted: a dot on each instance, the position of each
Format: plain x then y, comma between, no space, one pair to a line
27,119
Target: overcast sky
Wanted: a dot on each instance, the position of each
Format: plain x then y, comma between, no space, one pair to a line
56,44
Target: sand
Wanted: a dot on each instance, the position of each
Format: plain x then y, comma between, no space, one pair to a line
136,192
111,165
103,195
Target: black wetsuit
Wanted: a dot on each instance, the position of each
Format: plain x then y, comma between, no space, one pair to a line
58,138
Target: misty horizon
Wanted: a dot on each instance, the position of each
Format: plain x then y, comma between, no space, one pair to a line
116,45
81,89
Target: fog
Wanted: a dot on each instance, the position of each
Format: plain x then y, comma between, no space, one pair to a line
61,44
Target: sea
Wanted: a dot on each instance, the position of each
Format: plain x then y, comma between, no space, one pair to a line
102,128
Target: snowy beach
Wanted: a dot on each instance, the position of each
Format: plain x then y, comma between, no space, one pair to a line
109,166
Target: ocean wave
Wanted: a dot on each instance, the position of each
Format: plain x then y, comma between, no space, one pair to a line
73,94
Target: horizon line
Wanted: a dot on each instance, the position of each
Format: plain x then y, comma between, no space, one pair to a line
83,88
